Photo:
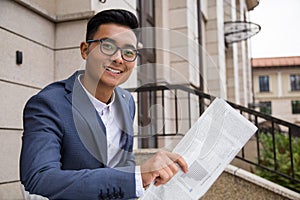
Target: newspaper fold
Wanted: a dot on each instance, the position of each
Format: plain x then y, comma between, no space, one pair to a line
208,147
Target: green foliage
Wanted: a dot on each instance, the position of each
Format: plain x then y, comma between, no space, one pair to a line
283,162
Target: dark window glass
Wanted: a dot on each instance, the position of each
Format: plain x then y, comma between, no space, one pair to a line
266,107
264,83
296,107
295,82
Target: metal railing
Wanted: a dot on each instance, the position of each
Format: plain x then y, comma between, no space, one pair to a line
193,103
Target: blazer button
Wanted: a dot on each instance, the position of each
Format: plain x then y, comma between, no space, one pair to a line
101,197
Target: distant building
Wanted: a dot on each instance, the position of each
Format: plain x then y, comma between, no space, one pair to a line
276,84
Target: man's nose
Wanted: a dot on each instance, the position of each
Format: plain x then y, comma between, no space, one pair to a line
117,57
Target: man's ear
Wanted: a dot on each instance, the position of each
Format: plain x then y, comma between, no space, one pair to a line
84,50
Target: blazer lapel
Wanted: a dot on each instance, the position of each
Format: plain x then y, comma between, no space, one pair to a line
122,101
88,124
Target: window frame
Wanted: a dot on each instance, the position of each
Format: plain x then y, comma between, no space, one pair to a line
267,105
297,109
295,84
265,80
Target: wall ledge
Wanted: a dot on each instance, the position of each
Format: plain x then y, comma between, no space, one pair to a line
264,183
52,16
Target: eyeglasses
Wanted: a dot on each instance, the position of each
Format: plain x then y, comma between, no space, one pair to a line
109,48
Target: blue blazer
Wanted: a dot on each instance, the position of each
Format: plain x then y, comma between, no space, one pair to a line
64,150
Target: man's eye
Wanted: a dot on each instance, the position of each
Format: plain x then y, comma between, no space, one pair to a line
128,52
108,46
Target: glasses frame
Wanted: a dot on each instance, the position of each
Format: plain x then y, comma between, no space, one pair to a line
117,49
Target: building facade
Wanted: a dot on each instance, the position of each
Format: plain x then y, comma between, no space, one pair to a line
276,84
183,43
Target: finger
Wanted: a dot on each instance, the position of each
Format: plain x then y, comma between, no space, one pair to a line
157,182
163,177
169,170
174,168
178,159
181,162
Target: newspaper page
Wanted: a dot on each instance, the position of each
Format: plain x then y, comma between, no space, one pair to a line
208,147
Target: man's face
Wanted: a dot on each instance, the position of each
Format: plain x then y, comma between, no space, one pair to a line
110,70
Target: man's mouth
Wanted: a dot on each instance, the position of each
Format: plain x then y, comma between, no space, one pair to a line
113,70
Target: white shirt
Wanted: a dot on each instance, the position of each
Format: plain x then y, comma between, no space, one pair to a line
110,118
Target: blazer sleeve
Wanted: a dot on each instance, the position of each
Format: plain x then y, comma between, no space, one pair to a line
40,165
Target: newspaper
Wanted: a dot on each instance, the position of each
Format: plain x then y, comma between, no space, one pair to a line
208,147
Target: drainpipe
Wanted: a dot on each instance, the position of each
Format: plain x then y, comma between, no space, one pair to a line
201,82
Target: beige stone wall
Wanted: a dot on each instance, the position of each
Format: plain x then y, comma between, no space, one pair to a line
26,31
66,7
50,52
69,35
49,5
244,185
183,41
232,67
217,77
26,23
37,68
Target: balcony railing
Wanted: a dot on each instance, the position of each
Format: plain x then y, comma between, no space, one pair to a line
182,105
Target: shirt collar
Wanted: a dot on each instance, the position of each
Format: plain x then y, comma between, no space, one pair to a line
99,105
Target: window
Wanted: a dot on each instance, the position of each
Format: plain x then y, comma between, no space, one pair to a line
266,107
295,82
296,107
264,83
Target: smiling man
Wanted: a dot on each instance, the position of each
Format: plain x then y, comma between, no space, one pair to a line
110,59
78,133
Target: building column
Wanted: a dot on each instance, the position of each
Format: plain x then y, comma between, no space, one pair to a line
232,76
279,82
215,64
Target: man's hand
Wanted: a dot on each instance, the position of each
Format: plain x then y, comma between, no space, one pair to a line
162,167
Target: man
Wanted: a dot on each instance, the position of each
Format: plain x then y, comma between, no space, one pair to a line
78,133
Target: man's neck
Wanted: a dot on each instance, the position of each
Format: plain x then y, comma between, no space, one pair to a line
103,95
100,92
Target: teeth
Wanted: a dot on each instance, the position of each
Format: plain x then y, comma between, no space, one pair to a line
113,70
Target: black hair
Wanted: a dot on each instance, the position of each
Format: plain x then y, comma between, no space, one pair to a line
116,16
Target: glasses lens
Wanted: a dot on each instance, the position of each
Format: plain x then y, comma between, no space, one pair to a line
108,48
129,54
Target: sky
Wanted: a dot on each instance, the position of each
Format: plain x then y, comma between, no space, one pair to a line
280,28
